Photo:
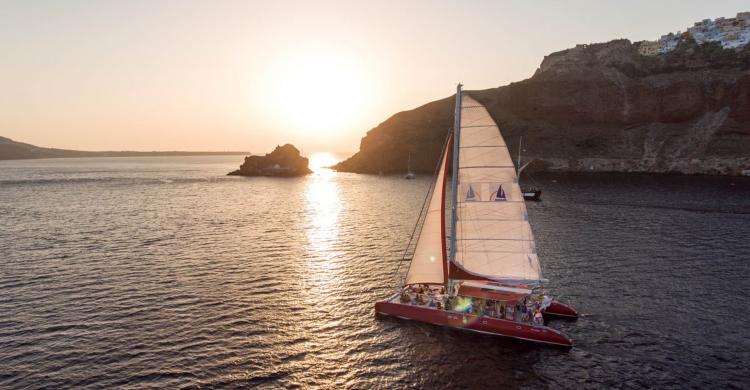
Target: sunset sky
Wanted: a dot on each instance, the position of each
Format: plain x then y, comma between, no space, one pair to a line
245,75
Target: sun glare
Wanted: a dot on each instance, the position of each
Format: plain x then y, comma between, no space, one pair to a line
320,161
318,92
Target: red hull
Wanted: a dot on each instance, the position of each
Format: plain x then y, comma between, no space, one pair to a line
488,325
558,309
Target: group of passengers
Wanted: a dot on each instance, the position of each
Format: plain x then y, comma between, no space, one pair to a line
423,295
524,310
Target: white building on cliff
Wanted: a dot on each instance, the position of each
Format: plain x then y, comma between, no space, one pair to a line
731,33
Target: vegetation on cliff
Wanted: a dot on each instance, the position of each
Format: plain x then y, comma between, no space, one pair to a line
601,108
284,161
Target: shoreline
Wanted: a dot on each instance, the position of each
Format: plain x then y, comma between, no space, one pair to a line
134,154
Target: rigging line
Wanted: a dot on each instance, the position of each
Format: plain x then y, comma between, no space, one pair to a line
423,212
533,182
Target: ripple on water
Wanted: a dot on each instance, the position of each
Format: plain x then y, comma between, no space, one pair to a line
170,274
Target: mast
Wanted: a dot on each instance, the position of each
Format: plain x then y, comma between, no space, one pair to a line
518,166
454,178
443,252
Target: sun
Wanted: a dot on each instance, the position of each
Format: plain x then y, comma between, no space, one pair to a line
320,161
318,92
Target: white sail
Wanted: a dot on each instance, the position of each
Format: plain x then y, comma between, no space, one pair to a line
493,235
428,261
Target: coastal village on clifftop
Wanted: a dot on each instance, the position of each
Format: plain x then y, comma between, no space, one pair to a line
731,33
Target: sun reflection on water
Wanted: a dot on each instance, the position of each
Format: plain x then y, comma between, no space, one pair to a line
323,206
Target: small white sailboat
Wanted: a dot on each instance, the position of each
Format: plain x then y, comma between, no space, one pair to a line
481,273
409,175
529,192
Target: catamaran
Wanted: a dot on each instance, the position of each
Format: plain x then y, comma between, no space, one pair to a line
482,275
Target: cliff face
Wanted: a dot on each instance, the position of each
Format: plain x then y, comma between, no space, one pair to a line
421,132
600,108
283,161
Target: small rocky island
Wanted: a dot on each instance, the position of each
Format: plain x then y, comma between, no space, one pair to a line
284,161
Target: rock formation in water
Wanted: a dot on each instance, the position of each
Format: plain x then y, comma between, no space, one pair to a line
597,108
284,161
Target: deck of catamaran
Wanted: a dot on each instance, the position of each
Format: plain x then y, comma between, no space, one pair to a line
512,306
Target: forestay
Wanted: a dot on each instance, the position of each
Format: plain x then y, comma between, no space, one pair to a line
493,235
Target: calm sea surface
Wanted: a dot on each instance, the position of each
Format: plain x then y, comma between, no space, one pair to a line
164,273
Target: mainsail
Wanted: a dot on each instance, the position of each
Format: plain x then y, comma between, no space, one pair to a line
493,237
429,263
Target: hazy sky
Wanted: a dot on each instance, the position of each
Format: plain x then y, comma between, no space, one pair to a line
245,75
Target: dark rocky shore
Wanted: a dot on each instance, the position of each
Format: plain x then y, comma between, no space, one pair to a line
597,108
284,161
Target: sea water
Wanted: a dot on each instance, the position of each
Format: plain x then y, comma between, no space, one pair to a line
164,272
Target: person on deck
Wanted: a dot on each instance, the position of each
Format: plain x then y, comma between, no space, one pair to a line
538,318
404,297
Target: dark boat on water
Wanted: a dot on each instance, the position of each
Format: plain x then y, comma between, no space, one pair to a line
531,193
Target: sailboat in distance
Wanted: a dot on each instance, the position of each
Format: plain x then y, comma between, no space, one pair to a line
529,193
409,174
480,273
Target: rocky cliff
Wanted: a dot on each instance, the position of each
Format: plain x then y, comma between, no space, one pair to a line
601,108
283,161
